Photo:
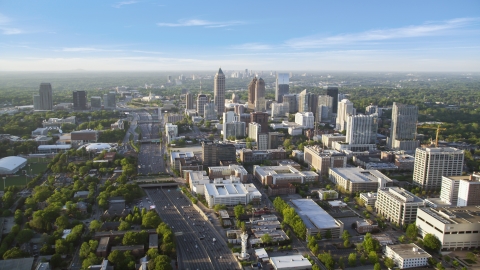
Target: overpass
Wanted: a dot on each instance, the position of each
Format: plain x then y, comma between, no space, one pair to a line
158,185
153,121
150,141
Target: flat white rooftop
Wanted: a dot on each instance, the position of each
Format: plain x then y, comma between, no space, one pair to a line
358,175
288,262
313,215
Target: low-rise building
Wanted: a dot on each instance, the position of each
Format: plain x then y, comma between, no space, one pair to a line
357,179
325,194
40,131
82,137
316,219
291,262
281,189
231,194
407,255
258,156
329,139
58,122
224,172
103,247
365,226
322,160
175,158
268,175
455,227
398,205
197,181
369,198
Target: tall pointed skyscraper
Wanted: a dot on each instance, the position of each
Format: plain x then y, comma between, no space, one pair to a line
219,91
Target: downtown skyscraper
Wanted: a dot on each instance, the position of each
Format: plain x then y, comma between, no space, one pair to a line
79,100
282,86
219,91
44,100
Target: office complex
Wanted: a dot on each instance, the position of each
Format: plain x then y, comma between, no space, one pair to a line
276,175
325,108
357,179
398,205
213,153
322,160
44,100
219,91
109,100
189,101
201,101
332,91
345,108
316,219
280,109
79,100
305,119
291,100
260,95
455,227
251,93
260,118
282,86
407,255
433,163
403,127
209,112
462,190
362,129
96,102
235,129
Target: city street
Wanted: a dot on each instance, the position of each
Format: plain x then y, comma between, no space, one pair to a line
199,245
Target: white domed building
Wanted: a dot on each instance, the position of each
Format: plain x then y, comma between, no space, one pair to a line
11,165
98,147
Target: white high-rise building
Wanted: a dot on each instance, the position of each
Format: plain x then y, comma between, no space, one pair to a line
362,129
235,129
253,130
305,119
403,128
398,205
433,163
325,108
280,109
345,108
171,131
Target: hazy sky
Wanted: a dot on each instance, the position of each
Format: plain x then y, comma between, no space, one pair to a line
355,35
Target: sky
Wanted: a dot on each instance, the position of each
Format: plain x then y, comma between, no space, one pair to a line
148,35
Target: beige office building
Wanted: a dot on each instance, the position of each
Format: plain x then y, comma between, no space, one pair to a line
455,227
407,255
398,205
358,179
322,160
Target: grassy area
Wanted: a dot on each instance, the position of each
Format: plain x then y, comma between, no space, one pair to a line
19,178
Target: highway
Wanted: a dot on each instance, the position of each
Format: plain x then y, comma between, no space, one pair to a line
189,227
150,158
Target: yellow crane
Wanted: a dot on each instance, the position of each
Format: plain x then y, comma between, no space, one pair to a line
438,132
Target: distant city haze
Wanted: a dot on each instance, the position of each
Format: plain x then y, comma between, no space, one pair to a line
135,35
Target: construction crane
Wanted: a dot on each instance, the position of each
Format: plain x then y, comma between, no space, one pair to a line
438,132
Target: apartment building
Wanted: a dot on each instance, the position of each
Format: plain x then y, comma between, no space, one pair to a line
398,205
322,160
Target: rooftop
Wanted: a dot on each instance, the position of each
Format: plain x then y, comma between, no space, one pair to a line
358,175
313,215
290,262
454,215
401,194
409,251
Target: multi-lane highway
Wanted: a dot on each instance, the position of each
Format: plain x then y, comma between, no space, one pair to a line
199,246
150,158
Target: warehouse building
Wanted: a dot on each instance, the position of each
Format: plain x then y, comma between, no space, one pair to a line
316,219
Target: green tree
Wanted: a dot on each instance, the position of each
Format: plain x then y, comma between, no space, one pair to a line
439,266
352,259
62,222
266,238
219,207
61,246
239,210
95,225
327,260
346,243
116,257
161,262
373,257
24,236
389,263
14,253
377,266
431,242
412,231
124,226
151,220
345,235
471,256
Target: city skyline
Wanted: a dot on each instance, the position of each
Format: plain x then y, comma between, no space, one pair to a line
148,35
